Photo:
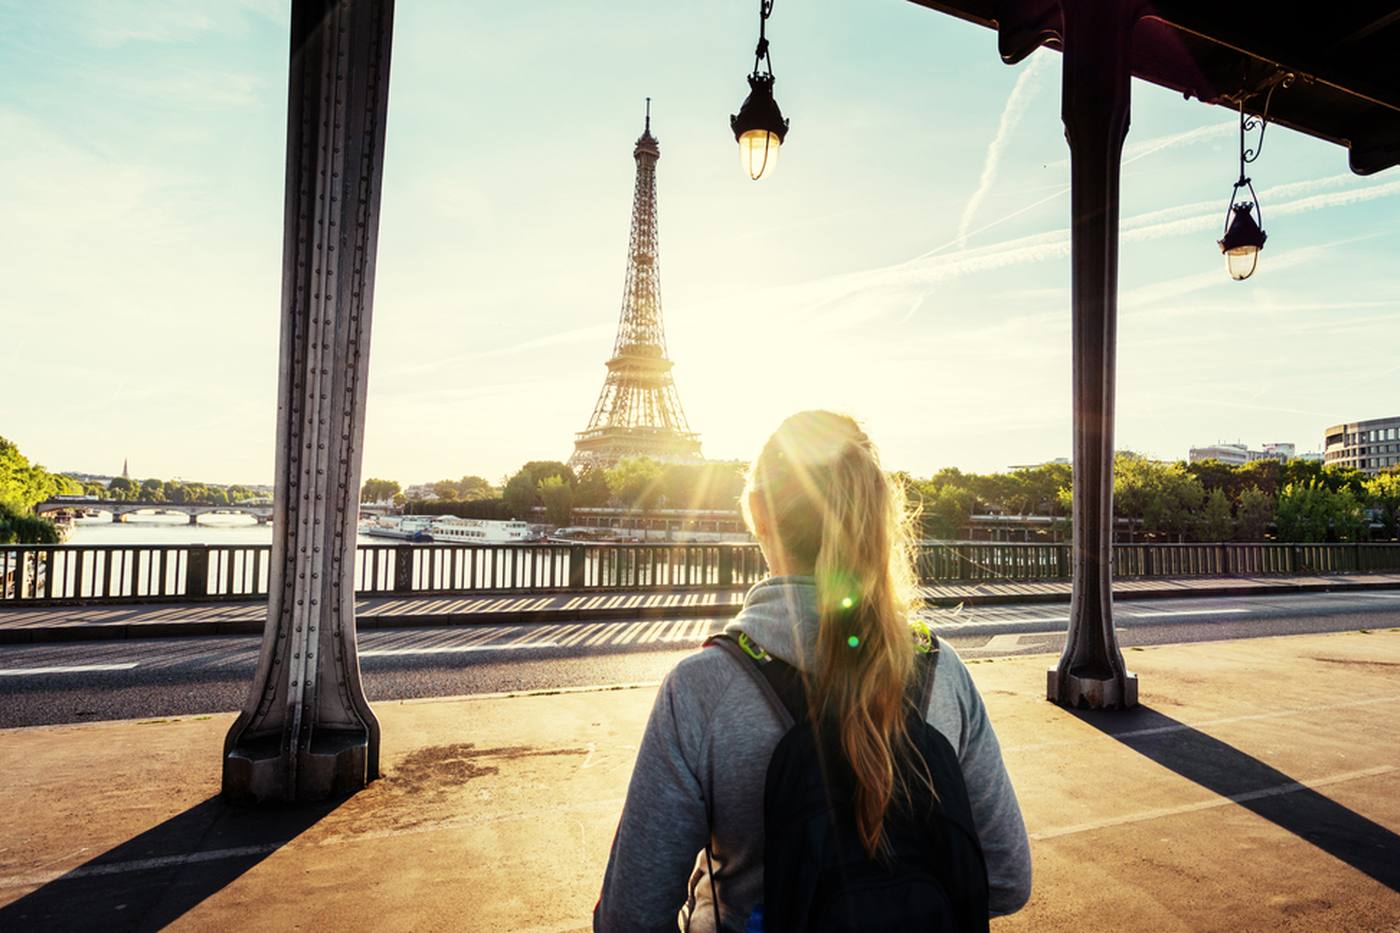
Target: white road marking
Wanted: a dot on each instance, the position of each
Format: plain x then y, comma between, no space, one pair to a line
1373,595
1208,723
1182,612
454,649
1143,815
35,879
1003,643
999,623
67,669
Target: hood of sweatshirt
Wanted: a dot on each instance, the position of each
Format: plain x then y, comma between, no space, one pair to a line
780,615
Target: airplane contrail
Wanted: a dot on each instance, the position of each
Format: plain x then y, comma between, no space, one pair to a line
1022,92
1151,225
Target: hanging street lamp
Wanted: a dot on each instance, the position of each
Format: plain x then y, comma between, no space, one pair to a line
759,126
1244,234
1242,241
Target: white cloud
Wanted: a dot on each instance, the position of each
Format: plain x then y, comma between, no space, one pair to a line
896,281
111,23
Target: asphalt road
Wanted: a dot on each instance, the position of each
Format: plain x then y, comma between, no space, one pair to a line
89,681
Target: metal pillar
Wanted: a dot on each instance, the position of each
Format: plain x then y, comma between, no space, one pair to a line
307,732
1095,103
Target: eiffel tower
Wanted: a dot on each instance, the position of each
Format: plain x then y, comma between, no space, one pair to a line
639,412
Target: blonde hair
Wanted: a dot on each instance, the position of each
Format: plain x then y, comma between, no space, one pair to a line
832,508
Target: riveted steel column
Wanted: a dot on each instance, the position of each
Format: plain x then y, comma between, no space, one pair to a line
1095,102
307,732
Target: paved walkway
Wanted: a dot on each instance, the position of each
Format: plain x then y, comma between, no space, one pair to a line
19,624
1255,789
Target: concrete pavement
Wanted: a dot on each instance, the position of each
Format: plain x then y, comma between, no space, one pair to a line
1256,789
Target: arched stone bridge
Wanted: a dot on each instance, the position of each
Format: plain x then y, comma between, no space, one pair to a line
120,508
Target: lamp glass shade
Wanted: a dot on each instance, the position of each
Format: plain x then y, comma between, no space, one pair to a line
758,153
1241,261
1242,241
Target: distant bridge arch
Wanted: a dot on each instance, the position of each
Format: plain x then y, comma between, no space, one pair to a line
120,508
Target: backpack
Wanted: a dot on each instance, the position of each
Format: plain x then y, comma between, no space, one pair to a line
817,875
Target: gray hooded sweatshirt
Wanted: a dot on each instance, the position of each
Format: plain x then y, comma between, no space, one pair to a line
709,738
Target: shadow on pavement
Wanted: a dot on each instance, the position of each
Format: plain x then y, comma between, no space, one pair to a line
153,879
1217,766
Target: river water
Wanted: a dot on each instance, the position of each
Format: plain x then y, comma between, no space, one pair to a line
176,529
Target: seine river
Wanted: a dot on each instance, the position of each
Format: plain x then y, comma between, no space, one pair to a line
176,529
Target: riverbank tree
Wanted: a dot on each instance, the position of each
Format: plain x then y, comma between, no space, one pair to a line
22,486
1153,500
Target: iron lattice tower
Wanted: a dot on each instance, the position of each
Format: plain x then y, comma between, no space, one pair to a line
639,410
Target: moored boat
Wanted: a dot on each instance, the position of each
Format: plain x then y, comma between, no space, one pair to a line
401,528
450,529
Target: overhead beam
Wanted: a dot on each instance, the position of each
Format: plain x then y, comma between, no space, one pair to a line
1344,90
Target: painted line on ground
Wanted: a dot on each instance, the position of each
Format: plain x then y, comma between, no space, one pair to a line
1143,815
999,623
1003,642
67,669
39,878
1183,612
1206,723
454,649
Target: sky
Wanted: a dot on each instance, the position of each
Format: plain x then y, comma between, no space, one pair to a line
906,263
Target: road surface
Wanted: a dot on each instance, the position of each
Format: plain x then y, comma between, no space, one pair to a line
88,681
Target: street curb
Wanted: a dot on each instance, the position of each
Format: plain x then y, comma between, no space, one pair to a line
120,631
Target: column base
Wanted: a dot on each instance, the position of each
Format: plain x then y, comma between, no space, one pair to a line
333,767
1091,691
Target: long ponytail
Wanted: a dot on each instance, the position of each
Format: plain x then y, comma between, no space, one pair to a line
833,507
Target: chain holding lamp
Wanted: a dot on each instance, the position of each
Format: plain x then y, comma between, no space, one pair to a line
759,126
1244,234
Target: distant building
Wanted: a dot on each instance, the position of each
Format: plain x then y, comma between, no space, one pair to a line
1058,461
1238,454
1368,446
665,524
422,492
126,474
1233,454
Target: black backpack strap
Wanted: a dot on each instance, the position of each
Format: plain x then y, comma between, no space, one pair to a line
925,667
779,682
781,686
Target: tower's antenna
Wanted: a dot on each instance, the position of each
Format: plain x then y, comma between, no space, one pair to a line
648,115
